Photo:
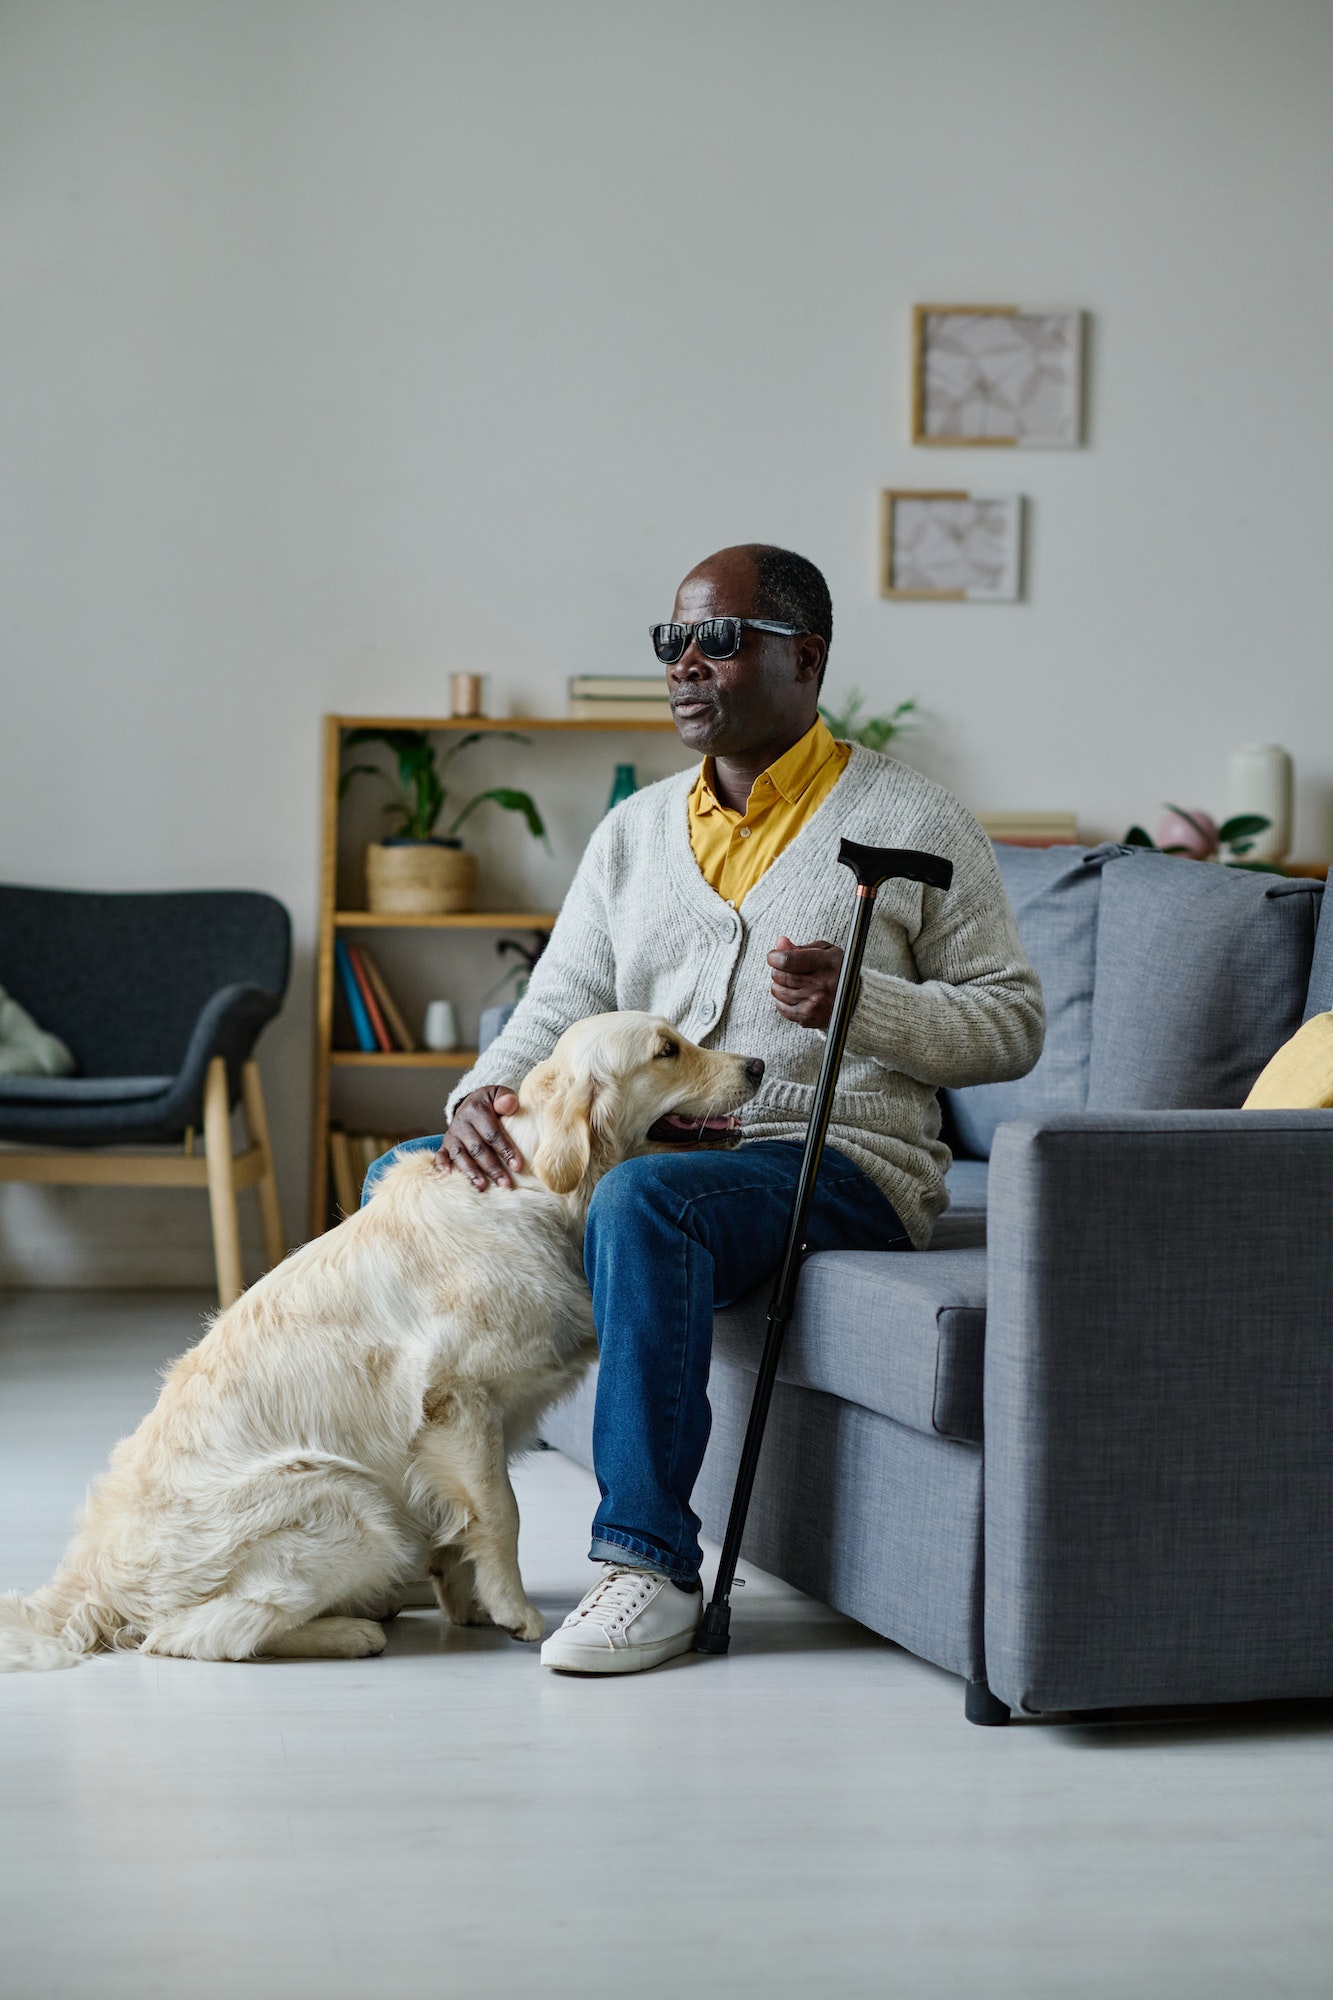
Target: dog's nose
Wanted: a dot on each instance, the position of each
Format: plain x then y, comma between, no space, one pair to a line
754,1069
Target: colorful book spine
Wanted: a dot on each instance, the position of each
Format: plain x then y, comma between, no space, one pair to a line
397,1024
379,1027
356,1006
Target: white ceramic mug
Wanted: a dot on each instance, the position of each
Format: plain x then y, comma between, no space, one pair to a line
441,1026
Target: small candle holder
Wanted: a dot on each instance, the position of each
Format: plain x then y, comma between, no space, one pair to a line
465,696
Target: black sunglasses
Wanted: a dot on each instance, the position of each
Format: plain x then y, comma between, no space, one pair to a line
716,638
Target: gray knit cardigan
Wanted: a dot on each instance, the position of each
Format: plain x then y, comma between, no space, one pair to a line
947,996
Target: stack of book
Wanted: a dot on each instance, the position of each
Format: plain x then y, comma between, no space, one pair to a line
618,698
350,1156
1031,829
377,1022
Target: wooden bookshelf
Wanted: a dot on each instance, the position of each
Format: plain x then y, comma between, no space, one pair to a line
333,920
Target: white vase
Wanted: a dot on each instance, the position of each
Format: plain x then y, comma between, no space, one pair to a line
441,1026
1259,780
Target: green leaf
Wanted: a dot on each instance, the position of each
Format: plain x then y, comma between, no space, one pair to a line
362,771
512,801
876,731
1242,826
1137,837
1256,867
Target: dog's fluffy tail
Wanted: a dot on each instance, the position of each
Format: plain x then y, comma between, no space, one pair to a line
33,1640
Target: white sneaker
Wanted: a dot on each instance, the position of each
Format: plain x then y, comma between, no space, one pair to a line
630,1619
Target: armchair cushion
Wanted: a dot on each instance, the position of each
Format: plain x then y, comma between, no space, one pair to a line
81,1090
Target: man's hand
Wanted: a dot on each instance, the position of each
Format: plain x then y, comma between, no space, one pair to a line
477,1143
805,979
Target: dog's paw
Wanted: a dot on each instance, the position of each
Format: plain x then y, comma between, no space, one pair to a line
530,1626
354,1639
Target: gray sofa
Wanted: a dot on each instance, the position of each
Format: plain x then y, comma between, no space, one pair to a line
1078,1452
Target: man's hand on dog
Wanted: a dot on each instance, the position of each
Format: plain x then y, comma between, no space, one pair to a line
477,1144
805,979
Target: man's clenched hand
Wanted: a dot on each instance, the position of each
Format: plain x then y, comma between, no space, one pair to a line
805,979
477,1143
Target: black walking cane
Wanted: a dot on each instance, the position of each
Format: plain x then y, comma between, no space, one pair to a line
871,866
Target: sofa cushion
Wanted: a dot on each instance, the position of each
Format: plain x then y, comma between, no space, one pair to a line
898,1332
1202,974
1054,893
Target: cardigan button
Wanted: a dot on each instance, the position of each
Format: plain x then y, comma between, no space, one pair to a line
707,1011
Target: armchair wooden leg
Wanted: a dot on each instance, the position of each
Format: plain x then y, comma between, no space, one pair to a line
222,1185
252,1091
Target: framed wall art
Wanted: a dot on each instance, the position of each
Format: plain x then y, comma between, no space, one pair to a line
959,548
997,375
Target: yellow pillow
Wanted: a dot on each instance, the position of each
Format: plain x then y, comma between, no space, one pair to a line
1300,1076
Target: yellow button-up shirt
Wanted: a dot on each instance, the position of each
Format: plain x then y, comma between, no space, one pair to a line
734,849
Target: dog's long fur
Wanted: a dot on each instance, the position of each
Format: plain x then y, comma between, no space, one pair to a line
351,1416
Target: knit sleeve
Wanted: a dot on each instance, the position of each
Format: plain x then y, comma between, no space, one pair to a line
976,1014
574,977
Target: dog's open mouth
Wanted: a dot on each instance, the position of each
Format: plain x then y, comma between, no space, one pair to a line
678,1128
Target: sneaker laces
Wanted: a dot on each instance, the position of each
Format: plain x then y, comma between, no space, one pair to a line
620,1592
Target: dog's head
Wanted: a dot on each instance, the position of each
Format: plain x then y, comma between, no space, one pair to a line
615,1079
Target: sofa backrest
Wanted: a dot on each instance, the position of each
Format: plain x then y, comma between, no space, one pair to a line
1168,983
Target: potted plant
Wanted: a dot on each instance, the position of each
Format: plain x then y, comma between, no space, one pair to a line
876,732
416,871
1198,837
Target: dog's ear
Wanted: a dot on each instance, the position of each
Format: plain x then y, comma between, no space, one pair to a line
564,1105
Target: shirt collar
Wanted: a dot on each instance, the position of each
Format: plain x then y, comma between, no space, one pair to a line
790,775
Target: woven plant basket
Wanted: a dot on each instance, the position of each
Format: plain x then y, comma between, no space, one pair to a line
419,878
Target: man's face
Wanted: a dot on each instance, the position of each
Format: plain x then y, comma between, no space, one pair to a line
765,693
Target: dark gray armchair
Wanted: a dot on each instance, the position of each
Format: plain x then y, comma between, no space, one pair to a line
161,997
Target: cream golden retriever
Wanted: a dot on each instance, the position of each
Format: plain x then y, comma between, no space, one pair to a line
347,1423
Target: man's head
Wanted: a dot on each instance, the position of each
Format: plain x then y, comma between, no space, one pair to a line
768,693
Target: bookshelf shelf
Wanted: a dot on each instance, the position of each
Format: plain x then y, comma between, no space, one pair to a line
419,1059
456,920
523,724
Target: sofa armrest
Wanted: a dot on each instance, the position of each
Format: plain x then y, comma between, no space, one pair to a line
1159,1408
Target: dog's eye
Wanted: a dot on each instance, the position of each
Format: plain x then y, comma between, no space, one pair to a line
667,1049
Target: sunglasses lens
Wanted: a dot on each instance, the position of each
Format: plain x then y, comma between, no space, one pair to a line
668,643
718,638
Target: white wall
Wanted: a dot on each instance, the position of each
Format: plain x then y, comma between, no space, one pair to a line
346,345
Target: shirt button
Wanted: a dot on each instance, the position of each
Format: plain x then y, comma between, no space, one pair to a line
744,832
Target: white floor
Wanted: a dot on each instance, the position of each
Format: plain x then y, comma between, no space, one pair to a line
809,1816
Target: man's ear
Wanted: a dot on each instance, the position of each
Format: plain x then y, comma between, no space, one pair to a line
564,1149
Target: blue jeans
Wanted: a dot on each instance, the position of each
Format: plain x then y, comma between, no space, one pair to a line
671,1237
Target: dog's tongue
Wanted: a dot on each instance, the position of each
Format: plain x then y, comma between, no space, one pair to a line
675,1121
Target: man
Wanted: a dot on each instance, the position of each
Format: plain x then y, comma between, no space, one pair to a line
688,902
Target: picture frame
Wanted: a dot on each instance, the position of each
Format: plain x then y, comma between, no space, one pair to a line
1006,376
951,547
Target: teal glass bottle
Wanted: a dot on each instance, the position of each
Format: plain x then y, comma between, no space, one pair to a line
622,786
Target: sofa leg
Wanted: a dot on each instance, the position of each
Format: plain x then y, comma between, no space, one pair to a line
252,1093
222,1185
982,1707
